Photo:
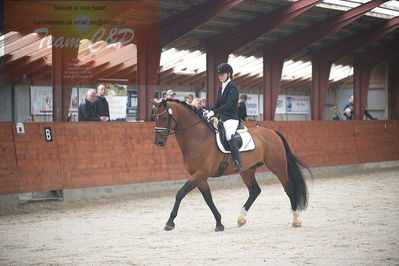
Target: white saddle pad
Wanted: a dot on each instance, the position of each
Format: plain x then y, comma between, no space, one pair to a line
248,143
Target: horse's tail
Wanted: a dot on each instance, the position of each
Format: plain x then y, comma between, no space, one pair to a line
297,188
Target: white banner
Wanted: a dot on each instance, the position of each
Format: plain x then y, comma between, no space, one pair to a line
298,104
117,107
73,108
252,104
281,105
41,100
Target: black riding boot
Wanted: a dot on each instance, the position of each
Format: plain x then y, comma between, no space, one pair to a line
235,154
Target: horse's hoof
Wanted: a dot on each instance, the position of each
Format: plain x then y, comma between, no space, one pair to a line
219,228
296,224
241,222
169,227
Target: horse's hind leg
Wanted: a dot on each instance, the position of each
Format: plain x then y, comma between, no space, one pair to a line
254,190
282,175
206,193
187,187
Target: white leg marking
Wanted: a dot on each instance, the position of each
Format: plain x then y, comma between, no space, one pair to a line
296,222
241,218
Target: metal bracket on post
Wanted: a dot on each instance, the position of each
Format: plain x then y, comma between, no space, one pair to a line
20,128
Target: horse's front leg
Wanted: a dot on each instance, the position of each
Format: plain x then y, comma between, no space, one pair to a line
187,187
254,190
206,193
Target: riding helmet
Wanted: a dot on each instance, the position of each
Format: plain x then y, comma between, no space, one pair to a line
224,68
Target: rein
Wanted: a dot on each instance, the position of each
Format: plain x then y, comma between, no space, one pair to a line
168,129
190,126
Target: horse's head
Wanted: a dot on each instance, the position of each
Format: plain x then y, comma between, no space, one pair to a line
164,122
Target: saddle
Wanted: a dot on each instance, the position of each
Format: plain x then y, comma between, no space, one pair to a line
243,138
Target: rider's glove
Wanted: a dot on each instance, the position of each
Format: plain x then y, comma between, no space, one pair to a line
210,114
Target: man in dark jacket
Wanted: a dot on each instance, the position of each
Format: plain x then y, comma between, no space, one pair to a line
226,107
86,108
242,108
100,104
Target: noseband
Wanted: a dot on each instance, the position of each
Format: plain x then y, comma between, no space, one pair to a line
163,129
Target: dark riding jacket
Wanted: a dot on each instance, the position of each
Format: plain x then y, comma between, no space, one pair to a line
226,104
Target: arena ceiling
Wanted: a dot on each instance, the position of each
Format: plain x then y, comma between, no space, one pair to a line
183,59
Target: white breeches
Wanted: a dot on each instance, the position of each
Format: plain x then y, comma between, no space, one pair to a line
230,126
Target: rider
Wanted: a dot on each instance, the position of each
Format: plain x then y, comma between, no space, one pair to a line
226,107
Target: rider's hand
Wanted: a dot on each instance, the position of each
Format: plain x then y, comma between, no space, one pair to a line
210,114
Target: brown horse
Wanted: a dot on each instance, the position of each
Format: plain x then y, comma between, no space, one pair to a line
202,158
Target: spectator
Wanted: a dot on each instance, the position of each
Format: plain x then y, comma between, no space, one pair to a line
203,103
196,103
170,94
335,113
348,109
189,98
100,104
242,108
86,108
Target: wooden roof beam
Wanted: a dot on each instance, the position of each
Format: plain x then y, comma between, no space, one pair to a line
164,73
255,83
363,66
279,50
171,80
109,73
246,32
28,50
198,80
91,58
10,37
220,47
343,47
21,43
246,78
38,70
117,61
300,39
116,55
190,80
123,73
323,59
177,25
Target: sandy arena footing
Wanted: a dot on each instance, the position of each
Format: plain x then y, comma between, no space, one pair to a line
352,219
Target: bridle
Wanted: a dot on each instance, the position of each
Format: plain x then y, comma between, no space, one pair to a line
163,129
168,129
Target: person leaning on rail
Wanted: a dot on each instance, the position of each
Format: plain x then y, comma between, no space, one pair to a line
348,111
86,108
100,103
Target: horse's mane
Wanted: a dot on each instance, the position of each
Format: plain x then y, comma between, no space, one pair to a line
193,109
196,111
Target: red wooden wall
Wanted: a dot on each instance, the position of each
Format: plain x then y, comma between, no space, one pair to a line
92,154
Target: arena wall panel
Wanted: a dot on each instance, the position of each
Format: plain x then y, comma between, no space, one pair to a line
89,154
10,177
